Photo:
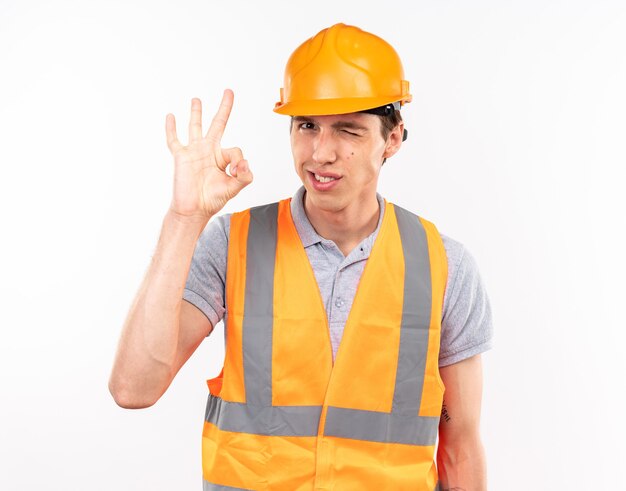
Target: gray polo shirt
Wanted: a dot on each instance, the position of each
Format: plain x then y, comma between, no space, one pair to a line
466,325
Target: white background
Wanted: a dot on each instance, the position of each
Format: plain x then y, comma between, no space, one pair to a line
516,149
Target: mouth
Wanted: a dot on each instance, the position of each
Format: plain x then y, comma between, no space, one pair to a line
320,178
323,181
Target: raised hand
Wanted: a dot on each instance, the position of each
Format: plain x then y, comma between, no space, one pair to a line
202,184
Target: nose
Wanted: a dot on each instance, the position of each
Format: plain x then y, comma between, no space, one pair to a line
324,151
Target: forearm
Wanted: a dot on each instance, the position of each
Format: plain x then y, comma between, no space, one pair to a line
462,466
143,366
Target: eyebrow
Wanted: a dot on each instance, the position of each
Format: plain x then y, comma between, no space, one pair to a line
336,126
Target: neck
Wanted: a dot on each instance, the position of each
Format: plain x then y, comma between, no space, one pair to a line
346,227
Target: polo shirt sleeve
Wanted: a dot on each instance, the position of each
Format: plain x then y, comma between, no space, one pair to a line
206,281
466,324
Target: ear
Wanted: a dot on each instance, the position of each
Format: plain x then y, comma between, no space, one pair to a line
394,140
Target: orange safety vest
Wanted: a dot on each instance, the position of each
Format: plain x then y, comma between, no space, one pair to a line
280,415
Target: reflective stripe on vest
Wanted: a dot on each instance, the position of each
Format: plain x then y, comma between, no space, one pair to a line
207,486
280,415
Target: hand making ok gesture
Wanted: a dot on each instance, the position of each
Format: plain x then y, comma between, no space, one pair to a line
202,186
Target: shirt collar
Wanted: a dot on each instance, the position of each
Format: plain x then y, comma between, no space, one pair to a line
307,233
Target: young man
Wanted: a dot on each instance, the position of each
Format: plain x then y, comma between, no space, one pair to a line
324,386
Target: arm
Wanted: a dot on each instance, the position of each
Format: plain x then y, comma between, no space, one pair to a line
460,455
161,330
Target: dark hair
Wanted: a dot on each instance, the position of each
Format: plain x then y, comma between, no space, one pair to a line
389,122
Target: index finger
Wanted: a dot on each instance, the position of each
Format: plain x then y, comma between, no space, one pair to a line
218,124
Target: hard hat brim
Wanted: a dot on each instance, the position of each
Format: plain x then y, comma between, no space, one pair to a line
324,107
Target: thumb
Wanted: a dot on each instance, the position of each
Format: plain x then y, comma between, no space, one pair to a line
242,175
